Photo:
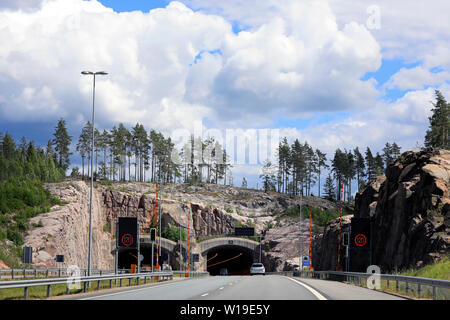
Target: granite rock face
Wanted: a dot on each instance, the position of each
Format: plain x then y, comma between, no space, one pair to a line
410,212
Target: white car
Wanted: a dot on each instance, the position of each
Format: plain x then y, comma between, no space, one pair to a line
257,268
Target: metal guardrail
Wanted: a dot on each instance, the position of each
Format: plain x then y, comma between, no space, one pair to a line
357,277
86,280
47,273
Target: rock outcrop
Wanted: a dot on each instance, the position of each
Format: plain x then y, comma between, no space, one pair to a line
65,230
410,215
412,218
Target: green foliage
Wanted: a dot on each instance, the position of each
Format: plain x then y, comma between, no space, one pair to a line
107,228
438,133
228,208
438,270
319,217
173,233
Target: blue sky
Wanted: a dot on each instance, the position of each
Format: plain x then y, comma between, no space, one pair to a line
292,69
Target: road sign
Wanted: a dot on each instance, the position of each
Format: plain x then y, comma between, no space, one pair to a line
306,261
360,233
152,234
127,232
244,232
59,258
195,257
346,239
27,256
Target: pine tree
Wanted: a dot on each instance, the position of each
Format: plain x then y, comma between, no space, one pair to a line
62,142
370,165
321,163
329,188
359,166
268,176
438,133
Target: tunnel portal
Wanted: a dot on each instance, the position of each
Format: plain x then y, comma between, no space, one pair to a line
237,260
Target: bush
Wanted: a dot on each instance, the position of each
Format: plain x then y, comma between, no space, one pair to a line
173,233
14,236
228,208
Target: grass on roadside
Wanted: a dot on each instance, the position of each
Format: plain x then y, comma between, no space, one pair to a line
60,289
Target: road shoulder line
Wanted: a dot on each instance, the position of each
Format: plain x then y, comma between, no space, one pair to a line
310,289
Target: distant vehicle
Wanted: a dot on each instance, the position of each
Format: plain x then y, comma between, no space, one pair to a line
224,272
257,268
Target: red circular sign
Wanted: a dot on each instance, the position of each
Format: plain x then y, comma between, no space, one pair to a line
360,240
127,240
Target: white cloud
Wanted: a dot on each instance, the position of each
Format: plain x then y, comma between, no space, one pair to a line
295,63
416,78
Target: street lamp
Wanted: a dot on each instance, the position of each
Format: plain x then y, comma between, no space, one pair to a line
92,165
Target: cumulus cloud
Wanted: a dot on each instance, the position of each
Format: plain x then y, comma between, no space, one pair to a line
416,78
147,57
172,65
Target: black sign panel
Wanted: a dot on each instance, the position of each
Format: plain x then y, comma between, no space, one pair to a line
127,232
27,256
59,258
152,234
360,235
195,257
244,232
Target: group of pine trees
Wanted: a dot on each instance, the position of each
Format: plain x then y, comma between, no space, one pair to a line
26,161
122,154
300,167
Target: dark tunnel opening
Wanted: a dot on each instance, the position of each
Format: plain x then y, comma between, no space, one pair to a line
127,257
236,260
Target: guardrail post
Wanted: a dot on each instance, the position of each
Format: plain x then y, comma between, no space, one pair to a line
67,289
35,273
12,273
434,293
25,293
59,273
46,274
24,273
110,283
137,280
98,285
120,281
145,279
129,282
84,286
396,285
48,291
419,289
406,287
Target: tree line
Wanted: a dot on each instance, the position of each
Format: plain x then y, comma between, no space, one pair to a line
300,167
127,155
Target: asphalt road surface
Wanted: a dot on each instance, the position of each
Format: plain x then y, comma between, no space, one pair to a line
269,287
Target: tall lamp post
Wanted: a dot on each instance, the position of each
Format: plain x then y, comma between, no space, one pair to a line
92,165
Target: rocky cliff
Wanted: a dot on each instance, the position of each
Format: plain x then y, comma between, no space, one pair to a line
216,209
410,216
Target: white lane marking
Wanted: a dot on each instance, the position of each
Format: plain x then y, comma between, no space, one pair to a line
127,291
312,290
205,294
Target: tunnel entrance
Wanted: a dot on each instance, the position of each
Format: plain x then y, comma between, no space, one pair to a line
127,257
236,260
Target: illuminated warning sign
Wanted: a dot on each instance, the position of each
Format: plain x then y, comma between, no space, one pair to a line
127,240
360,233
360,240
127,232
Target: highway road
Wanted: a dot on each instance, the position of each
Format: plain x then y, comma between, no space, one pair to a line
269,287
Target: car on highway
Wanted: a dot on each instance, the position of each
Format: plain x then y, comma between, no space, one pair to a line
257,268
224,272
